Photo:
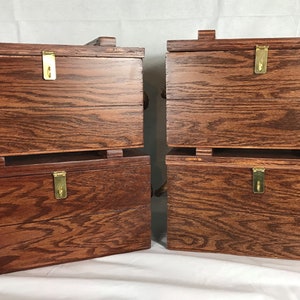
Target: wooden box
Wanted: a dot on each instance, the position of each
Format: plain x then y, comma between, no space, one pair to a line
106,209
71,184
233,116
215,98
93,101
214,206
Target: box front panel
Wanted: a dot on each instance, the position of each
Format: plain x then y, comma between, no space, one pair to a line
214,99
47,130
94,103
85,236
230,75
212,207
252,123
238,233
31,198
80,82
107,211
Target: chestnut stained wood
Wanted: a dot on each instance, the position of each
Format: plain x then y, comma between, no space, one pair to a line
107,210
230,75
81,82
95,103
215,100
225,121
83,236
239,233
22,49
27,195
47,130
207,42
235,123
212,207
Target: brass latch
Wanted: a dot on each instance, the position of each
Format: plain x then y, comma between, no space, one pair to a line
60,184
49,67
261,59
258,180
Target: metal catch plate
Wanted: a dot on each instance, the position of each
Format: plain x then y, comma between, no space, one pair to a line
261,59
49,66
258,180
60,184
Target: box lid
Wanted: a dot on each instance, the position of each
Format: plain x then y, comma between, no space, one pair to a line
100,47
207,42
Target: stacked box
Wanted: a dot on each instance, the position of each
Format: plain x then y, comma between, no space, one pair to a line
73,182
233,115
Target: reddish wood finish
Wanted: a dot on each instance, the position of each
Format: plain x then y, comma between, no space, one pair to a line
218,112
21,49
81,237
107,210
95,103
214,99
235,123
211,205
70,129
84,123
207,42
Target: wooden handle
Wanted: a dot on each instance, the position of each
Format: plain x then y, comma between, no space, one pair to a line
206,34
103,41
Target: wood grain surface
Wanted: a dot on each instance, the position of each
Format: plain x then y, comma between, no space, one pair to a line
230,75
238,233
46,130
237,123
30,197
212,207
70,50
215,100
107,211
206,42
95,103
84,236
81,82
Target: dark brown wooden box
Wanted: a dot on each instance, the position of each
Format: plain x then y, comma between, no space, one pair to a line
95,102
71,186
107,209
212,206
215,99
233,116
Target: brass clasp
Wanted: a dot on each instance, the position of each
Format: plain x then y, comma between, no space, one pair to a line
258,180
261,59
60,184
49,67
